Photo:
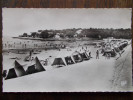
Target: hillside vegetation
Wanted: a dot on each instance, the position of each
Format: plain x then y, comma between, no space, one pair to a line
79,33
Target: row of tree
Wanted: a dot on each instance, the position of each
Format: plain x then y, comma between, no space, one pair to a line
91,33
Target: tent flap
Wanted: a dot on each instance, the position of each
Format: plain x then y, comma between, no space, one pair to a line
38,65
11,74
59,62
69,60
19,69
31,69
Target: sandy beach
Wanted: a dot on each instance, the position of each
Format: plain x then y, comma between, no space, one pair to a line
91,75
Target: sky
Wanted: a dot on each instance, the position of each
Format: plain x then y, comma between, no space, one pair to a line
17,21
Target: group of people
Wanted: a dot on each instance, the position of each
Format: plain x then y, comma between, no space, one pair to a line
97,54
107,55
14,46
86,50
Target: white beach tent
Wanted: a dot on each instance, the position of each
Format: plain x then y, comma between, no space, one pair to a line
11,74
69,60
84,54
36,67
77,57
31,69
58,61
61,59
19,69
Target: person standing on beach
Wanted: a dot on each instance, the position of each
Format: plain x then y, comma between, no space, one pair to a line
25,45
46,62
90,54
120,54
97,54
106,56
30,54
86,48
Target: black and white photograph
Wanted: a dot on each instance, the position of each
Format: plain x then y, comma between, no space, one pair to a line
67,50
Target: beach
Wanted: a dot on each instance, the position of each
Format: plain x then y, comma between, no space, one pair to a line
90,75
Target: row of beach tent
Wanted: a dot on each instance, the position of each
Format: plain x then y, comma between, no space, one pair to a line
19,71
76,57
113,49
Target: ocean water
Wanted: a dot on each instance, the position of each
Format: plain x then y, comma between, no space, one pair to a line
14,43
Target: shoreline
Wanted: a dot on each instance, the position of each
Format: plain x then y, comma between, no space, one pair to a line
54,39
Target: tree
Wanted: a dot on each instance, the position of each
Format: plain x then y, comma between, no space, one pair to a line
25,34
62,35
44,34
33,34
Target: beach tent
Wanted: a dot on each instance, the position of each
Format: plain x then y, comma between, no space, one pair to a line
69,60
58,62
84,56
116,48
77,57
123,45
19,69
110,51
38,65
31,69
11,74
